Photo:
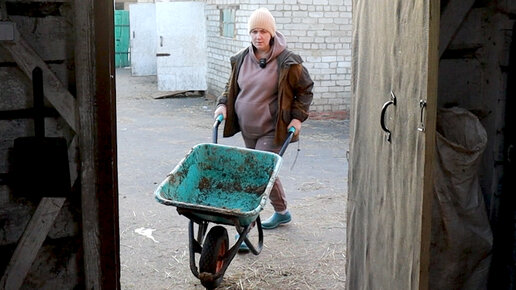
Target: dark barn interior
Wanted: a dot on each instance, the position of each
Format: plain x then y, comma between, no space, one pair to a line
58,175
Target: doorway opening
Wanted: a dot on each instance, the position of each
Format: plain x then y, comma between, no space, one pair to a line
156,131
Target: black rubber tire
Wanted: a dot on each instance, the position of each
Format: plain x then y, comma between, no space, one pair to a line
215,246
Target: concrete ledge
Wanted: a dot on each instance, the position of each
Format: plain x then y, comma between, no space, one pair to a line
337,115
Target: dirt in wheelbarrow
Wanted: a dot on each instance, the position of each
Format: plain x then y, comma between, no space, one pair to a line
153,135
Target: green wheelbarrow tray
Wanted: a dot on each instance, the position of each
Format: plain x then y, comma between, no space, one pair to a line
219,183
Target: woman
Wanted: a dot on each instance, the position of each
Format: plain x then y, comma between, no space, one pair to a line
269,91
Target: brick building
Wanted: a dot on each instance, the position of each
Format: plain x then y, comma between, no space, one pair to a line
318,30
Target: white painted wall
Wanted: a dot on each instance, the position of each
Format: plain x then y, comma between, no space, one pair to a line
181,61
142,18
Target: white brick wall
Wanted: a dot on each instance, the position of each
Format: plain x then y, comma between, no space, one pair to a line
318,30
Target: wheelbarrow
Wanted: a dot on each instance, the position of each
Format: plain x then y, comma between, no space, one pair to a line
224,185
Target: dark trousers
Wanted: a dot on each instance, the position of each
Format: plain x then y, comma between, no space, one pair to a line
266,143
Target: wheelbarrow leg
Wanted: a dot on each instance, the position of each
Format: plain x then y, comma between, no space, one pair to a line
194,247
243,236
203,226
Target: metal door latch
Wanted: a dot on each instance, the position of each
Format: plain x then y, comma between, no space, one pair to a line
422,106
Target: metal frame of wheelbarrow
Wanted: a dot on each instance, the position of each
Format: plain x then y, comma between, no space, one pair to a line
195,243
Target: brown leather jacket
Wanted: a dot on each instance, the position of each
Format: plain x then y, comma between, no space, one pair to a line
294,94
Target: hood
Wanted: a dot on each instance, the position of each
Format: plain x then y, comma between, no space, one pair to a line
280,44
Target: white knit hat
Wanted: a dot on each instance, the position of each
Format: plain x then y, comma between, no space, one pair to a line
262,18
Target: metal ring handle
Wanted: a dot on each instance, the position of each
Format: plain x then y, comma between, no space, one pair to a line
382,117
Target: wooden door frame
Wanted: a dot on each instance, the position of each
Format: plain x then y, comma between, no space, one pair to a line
503,271
430,125
96,111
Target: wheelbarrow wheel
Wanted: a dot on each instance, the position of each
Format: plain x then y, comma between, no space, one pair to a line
214,249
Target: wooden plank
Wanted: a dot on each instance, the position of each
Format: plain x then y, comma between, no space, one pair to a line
55,92
72,160
105,132
3,10
30,242
63,1
430,122
386,196
94,48
26,113
451,19
85,83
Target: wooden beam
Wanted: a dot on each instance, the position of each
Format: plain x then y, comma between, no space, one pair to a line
429,143
30,242
26,113
55,92
451,19
72,160
94,59
85,83
105,132
39,1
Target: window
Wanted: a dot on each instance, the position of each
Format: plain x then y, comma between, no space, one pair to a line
227,21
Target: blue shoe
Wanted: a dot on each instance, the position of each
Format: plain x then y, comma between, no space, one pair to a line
243,246
275,220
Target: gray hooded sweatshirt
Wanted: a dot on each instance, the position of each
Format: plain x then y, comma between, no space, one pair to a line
258,92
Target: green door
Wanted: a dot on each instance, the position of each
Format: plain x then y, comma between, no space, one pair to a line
122,38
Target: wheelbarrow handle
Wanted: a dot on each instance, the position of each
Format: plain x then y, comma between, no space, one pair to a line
291,132
218,120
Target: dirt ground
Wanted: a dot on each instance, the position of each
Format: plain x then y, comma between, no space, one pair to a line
155,134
